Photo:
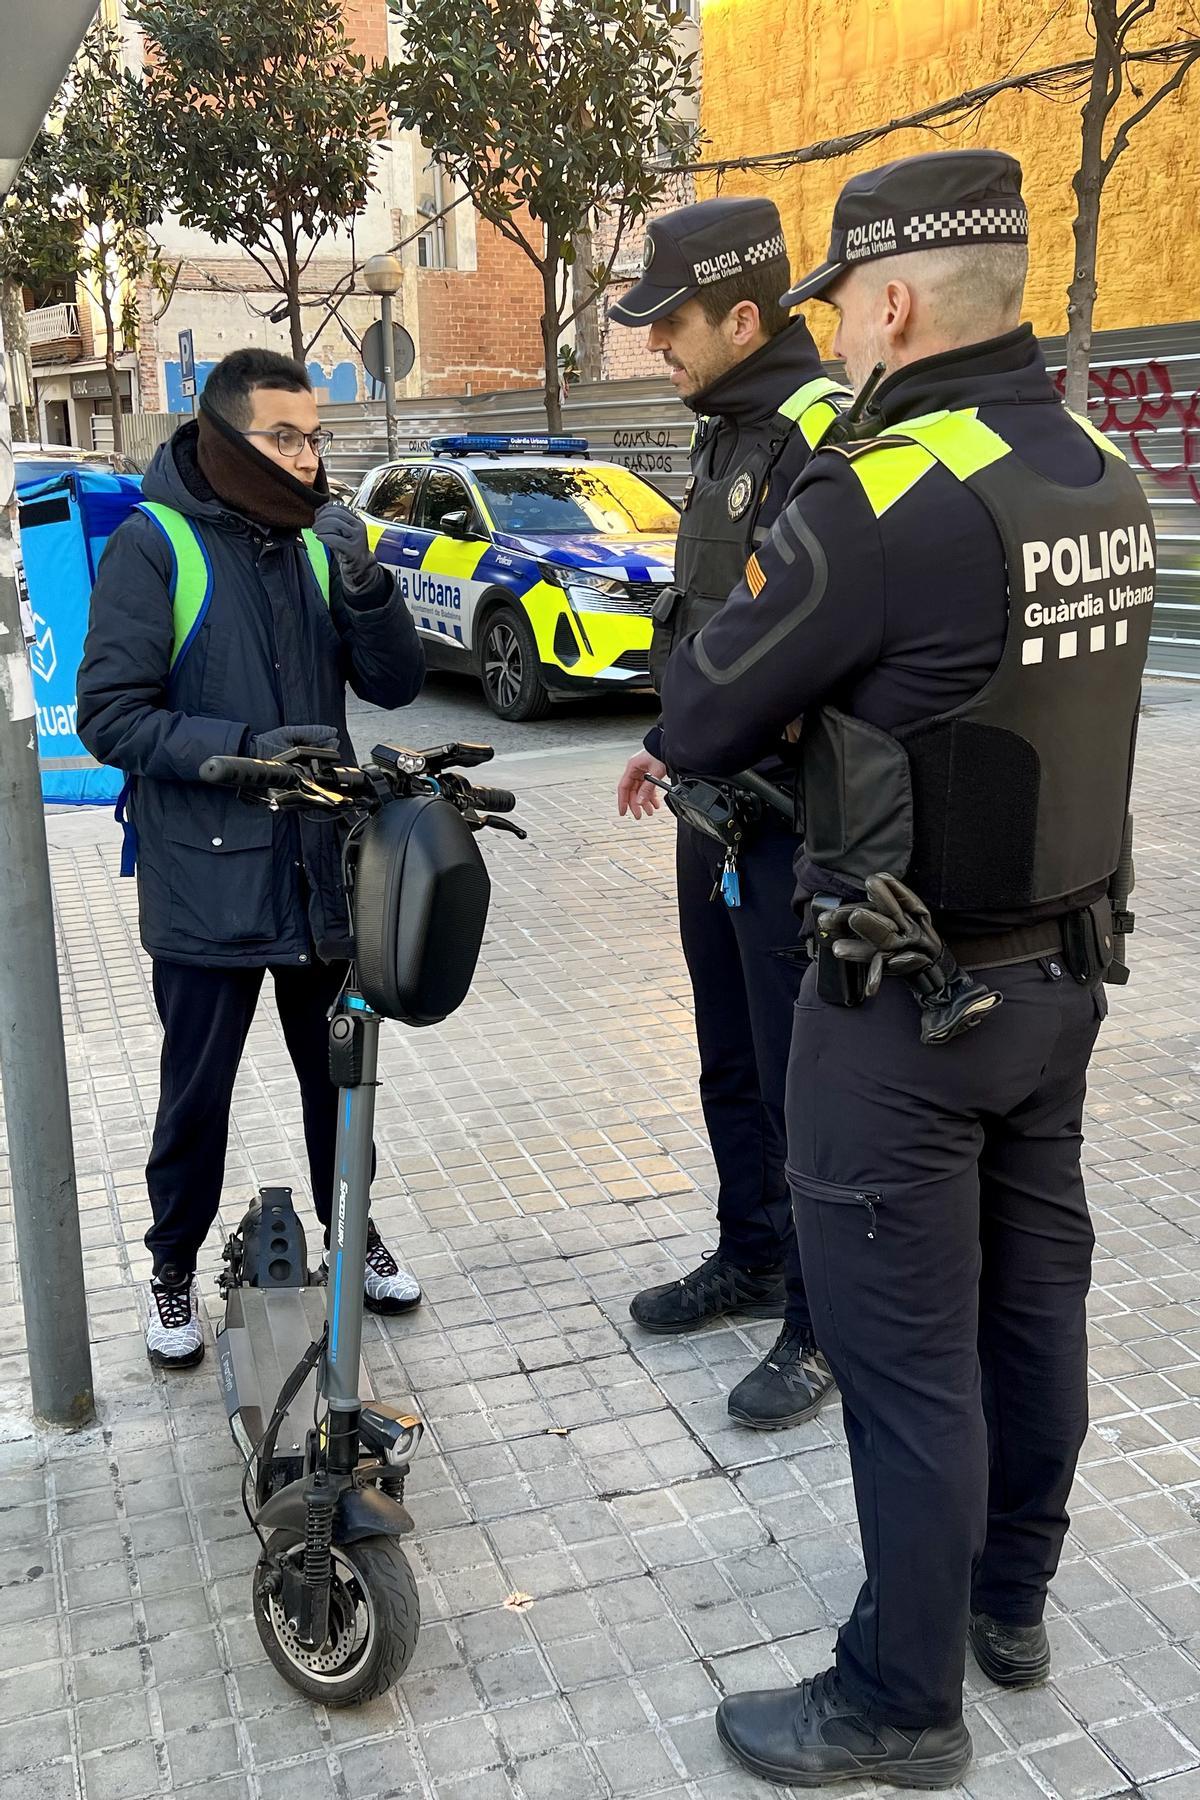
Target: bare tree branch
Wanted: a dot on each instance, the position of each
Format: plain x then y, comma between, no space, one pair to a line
1060,80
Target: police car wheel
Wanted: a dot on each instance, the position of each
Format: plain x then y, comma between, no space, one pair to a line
508,664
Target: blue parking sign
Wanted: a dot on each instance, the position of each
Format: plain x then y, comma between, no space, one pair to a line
187,363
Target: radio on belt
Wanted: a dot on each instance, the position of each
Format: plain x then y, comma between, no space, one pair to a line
500,443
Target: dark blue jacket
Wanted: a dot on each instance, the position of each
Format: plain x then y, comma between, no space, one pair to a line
742,407
891,619
221,882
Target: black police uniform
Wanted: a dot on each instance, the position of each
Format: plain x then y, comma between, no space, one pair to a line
756,429
981,749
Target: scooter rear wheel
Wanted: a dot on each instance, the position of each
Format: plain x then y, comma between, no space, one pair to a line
374,1619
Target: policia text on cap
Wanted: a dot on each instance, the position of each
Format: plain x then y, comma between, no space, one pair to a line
960,610
708,299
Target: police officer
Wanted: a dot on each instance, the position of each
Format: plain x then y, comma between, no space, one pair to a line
709,295
960,609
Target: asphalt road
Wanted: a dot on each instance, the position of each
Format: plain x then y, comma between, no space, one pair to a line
452,706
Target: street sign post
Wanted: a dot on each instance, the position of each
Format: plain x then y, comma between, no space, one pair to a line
187,366
39,44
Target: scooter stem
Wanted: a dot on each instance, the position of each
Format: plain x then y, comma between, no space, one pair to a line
354,1039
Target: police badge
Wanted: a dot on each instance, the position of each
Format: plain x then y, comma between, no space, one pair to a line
647,251
740,495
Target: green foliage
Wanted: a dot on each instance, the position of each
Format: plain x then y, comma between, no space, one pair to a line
554,107
90,192
558,109
265,120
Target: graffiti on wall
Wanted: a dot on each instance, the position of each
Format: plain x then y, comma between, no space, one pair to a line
1140,405
341,382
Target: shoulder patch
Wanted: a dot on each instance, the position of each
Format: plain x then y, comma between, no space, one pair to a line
756,581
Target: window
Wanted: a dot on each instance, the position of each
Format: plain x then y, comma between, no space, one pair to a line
612,501
393,495
445,493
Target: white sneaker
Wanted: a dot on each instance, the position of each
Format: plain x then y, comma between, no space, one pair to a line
174,1338
387,1288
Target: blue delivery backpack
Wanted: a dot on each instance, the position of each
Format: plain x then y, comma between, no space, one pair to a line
66,519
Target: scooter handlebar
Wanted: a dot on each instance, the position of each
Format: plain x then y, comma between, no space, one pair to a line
489,799
253,772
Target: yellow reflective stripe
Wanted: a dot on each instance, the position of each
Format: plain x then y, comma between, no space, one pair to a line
886,479
1096,435
816,422
454,557
374,533
959,440
819,388
318,557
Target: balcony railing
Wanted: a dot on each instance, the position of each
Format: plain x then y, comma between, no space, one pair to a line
49,324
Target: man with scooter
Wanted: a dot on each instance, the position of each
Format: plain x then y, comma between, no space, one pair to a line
229,614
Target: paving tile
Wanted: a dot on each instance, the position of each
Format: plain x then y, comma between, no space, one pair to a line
542,1158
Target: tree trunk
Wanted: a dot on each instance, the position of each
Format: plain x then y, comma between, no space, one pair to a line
16,344
295,323
1088,182
587,323
550,335
110,367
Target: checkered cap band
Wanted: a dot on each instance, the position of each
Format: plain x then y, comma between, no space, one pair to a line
768,249
961,224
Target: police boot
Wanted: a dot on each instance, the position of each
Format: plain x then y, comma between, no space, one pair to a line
1013,1656
812,1736
791,1384
718,1289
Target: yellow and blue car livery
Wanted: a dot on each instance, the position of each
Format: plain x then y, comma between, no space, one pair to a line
526,561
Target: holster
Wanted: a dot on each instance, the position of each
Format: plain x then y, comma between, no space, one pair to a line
716,808
839,983
1087,938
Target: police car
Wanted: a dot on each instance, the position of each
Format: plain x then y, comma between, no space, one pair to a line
526,562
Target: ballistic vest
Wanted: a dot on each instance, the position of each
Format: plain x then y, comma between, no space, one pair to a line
1017,797
720,525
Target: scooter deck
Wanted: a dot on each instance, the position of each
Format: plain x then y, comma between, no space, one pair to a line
265,1334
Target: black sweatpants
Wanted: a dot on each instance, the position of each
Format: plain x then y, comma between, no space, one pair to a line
947,1251
744,997
206,1015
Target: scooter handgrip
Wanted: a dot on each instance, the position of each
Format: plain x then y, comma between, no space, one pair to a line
493,799
249,772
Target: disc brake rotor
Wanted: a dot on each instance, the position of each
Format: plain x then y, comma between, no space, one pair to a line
351,1620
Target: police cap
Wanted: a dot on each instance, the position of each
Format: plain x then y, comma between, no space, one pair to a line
948,197
691,249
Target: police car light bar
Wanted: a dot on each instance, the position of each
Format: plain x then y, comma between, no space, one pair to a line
500,443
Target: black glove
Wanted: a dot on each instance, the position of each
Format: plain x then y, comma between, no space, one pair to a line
895,934
288,737
343,533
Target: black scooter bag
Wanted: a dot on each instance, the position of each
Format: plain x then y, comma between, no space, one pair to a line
421,893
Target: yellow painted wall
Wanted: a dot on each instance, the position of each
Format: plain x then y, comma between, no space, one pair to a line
782,73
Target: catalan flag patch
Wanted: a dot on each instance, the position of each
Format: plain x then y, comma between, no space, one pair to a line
756,581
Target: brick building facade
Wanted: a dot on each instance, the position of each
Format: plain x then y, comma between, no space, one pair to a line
470,300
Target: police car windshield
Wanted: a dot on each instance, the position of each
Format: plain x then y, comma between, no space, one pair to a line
612,502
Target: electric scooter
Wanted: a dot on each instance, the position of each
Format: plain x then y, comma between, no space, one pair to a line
335,1601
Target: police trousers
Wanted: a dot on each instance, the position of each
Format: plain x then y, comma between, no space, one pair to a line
947,1252
744,994
206,1016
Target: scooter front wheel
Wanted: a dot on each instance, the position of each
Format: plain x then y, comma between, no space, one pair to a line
374,1619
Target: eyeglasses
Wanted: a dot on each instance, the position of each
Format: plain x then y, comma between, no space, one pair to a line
290,442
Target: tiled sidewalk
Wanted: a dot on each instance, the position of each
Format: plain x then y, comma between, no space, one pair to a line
541,1157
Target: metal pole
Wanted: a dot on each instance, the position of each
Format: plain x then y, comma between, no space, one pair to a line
389,376
33,1062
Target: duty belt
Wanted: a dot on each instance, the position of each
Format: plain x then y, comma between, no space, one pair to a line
1083,939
